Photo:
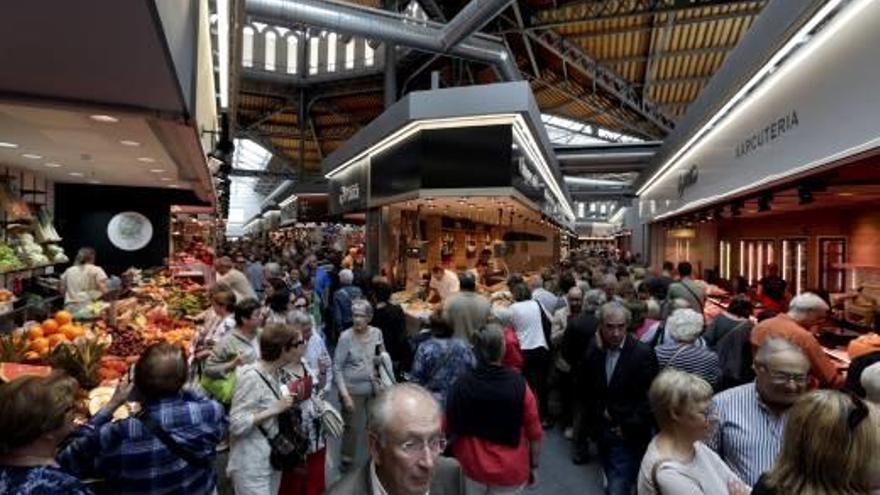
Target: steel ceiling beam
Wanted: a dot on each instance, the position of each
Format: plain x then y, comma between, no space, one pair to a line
587,10
603,77
472,18
384,26
598,111
668,54
643,29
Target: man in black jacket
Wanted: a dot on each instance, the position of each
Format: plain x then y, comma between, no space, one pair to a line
616,375
579,333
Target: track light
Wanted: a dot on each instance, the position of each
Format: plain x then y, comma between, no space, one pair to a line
736,208
764,202
805,195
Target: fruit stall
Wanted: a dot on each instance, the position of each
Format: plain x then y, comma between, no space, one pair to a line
99,344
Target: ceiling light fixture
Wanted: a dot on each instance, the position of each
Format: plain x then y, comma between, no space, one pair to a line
77,174
157,170
805,195
94,181
53,165
31,156
106,119
166,179
4,144
174,186
846,194
764,202
146,159
129,142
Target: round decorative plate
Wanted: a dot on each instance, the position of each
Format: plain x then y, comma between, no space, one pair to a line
130,231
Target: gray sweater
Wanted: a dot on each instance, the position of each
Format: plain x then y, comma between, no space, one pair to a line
353,362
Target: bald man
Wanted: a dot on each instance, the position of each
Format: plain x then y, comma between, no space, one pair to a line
406,439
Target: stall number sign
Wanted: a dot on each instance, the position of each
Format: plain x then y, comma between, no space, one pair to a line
349,194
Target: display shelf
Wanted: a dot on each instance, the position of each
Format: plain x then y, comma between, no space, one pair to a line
34,268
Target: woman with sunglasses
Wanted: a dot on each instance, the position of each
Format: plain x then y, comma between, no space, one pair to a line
677,461
830,446
258,400
304,385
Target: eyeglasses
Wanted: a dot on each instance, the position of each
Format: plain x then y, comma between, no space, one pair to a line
414,447
783,378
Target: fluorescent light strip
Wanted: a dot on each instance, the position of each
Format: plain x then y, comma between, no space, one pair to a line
799,262
742,257
413,127
617,216
728,260
288,201
527,141
710,127
785,260
522,137
223,48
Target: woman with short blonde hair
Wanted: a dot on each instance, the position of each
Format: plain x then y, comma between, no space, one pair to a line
677,460
831,445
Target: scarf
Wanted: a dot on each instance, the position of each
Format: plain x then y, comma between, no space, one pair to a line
487,403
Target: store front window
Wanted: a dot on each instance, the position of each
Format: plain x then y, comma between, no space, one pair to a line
724,248
832,259
794,264
754,256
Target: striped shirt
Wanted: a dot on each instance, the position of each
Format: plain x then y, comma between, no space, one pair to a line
690,358
749,434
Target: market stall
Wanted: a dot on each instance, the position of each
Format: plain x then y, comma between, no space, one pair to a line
462,178
98,344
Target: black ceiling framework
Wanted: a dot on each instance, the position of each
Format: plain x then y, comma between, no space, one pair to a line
660,54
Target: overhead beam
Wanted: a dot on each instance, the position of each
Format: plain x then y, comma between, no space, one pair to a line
602,168
599,112
586,10
575,57
667,54
642,29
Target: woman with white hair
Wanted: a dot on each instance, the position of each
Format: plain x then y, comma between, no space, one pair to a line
686,352
513,357
871,383
353,367
677,461
342,302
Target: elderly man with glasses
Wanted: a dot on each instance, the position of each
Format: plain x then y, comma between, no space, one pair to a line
752,416
406,439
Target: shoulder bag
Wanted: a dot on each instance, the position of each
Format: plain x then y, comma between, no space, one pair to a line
173,446
289,445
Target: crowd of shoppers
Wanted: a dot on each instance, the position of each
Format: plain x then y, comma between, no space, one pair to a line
624,359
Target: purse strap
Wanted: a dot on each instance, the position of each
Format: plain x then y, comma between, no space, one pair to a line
277,396
172,445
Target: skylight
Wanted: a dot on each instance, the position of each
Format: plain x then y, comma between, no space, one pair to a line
250,155
569,132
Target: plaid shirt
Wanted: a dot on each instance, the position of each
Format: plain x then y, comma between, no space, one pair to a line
134,461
